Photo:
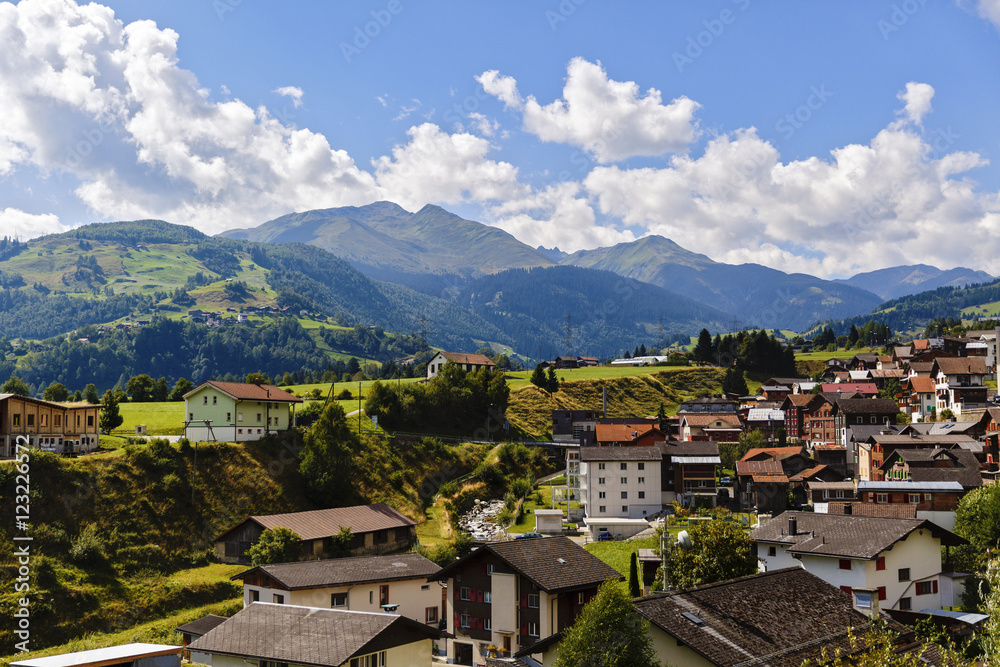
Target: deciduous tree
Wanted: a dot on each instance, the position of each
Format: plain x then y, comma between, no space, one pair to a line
720,550
276,545
57,392
110,417
608,633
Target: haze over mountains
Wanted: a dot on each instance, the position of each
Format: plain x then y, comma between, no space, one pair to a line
437,252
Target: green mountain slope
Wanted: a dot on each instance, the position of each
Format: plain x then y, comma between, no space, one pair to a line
758,296
900,281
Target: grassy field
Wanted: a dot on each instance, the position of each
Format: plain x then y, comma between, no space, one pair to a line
619,554
159,418
519,379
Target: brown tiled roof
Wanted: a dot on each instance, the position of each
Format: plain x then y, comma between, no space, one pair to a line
620,454
202,625
884,510
865,406
464,358
249,392
622,432
920,440
730,419
921,344
861,537
780,618
344,571
324,523
921,366
922,385
776,453
769,467
831,486
961,365
307,635
554,564
799,400
769,479
808,472
850,387
888,373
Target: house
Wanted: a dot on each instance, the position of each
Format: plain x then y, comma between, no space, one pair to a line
934,501
794,407
859,411
933,465
237,411
762,484
919,398
367,583
265,634
706,404
766,420
835,458
574,425
866,389
718,427
582,362
375,529
879,447
780,618
793,459
959,383
620,482
514,594
689,472
63,428
195,629
900,558
467,362
820,493
639,433
124,655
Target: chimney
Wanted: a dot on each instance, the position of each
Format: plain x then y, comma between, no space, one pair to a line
793,526
866,601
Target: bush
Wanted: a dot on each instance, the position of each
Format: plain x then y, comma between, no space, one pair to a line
87,548
345,395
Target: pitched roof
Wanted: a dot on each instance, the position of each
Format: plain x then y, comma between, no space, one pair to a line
961,365
343,571
884,510
242,391
769,467
324,523
843,536
463,358
620,454
921,384
865,406
307,635
675,448
776,453
622,432
779,618
554,564
202,625
706,419
850,387
810,472
765,414
799,400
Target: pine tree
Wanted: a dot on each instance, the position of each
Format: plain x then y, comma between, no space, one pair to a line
552,382
633,577
703,349
538,377
642,350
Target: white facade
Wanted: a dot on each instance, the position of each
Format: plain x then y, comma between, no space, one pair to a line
909,572
620,489
418,599
414,654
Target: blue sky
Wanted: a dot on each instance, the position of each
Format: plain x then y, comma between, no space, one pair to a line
829,138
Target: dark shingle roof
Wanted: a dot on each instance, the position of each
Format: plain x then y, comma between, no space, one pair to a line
961,365
343,571
620,454
554,564
865,406
765,467
843,536
779,618
690,448
202,625
885,510
318,524
306,635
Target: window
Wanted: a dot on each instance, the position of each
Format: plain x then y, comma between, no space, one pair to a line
600,480
370,660
881,592
532,629
624,480
600,466
488,597
581,598
642,480
254,596
431,615
881,497
43,420
602,509
624,466
215,400
16,420
532,601
229,416
904,604
190,416
601,495
642,494
204,400
464,594
624,495
904,574
874,419
258,417
625,509
914,498
845,563
487,623
464,620
278,599
239,416
926,587
90,420
489,569
338,599
772,551
383,594
31,420
880,563
642,465
425,587
57,420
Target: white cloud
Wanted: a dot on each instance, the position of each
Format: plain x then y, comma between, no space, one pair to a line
609,119
989,10
917,98
294,92
26,226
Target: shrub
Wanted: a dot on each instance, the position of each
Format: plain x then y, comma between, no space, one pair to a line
345,395
87,548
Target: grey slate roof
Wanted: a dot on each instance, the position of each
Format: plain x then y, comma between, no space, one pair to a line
843,536
779,618
345,571
306,635
865,406
620,454
911,486
202,625
539,560
690,448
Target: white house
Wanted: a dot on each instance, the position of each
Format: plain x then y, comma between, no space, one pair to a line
467,362
372,583
236,411
901,558
620,482
959,383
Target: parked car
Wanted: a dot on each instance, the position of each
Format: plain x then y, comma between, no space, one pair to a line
525,536
725,481
605,537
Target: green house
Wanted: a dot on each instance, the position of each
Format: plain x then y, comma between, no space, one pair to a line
235,411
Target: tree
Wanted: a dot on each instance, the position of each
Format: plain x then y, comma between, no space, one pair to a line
257,378
327,458
720,550
703,350
633,576
15,385
661,418
551,381
276,545
181,387
340,544
538,377
160,390
140,388
608,633
735,382
890,388
110,417
57,392
90,394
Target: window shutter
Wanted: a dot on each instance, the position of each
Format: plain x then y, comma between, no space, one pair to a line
524,600
881,592
524,629
456,594
457,621
479,595
934,586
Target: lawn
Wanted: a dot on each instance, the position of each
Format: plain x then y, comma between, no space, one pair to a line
520,379
527,522
159,418
619,554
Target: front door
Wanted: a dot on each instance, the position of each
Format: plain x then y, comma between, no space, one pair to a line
506,646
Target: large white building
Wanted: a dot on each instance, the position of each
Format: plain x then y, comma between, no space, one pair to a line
467,362
901,558
620,482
